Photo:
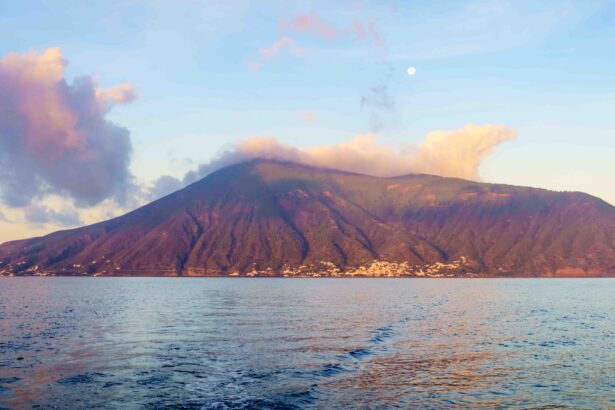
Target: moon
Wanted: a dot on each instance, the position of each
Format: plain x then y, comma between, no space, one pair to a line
411,71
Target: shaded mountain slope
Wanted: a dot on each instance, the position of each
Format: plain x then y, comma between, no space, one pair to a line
266,217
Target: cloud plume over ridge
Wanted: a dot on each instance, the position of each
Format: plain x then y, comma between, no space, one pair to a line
456,153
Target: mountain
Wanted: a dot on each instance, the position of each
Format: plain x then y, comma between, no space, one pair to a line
270,218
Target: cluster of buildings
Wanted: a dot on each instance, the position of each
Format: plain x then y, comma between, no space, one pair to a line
94,268
460,267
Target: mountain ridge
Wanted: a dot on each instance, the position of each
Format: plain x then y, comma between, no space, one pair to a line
273,218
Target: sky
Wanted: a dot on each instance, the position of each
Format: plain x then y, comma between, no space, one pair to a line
106,105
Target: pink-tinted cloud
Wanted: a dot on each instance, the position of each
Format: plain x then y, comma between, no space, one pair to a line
32,95
121,94
367,33
313,23
54,135
310,23
308,117
279,47
284,43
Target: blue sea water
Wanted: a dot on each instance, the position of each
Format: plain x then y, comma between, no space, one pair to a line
307,343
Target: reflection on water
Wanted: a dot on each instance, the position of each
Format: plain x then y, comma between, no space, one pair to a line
330,343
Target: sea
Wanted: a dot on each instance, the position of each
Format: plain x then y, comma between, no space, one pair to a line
239,343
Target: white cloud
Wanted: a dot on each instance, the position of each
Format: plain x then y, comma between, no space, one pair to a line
456,153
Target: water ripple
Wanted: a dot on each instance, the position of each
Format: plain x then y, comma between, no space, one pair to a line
88,343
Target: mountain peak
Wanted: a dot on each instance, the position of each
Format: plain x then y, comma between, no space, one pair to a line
270,217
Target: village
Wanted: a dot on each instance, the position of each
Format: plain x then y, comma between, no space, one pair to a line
460,267
377,268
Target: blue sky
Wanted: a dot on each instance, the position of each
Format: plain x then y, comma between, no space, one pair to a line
545,69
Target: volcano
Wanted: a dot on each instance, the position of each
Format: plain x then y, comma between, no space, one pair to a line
270,218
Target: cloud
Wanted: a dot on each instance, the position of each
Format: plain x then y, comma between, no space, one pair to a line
41,214
279,47
308,117
310,23
163,186
456,153
367,32
121,94
54,137
314,24
459,153
379,103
